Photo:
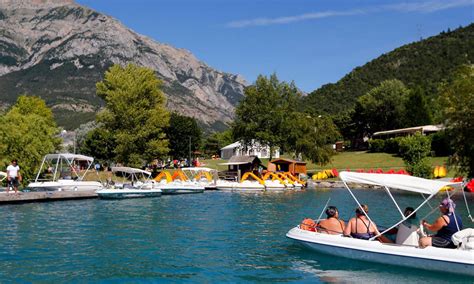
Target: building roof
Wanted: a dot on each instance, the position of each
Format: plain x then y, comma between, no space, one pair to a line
242,160
287,161
232,146
423,129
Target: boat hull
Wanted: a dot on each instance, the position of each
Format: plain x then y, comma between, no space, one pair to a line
127,193
65,185
435,259
173,189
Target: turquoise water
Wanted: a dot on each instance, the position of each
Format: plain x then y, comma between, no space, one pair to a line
210,237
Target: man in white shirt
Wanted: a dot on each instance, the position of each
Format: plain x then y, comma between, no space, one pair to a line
13,176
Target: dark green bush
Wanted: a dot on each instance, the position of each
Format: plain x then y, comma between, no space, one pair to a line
392,145
376,145
414,151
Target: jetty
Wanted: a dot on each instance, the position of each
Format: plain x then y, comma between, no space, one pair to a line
43,196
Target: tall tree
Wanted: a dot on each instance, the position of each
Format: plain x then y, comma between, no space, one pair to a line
382,108
184,135
312,137
262,111
417,111
27,133
458,99
99,143
214,142
135,113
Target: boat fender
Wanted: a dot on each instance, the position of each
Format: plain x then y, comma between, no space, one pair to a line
308,224
464,239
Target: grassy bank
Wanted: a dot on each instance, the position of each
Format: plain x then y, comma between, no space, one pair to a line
341,161
350,160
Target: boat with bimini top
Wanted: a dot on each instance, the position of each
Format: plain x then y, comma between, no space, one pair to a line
135,183
64,172
406,250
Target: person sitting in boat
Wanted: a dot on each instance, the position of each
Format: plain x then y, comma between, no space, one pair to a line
331,225
407,232
360,227
445,227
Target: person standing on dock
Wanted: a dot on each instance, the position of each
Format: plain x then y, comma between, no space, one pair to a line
13,176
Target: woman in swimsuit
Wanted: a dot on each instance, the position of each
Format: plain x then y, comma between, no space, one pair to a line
445,226
360,227
332,225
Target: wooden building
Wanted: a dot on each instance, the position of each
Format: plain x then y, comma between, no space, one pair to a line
287,165
238,165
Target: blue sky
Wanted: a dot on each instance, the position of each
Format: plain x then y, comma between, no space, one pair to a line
311,42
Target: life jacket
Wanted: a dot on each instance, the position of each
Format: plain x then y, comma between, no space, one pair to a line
308,224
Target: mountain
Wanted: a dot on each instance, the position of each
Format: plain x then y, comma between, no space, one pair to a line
425,63
58,50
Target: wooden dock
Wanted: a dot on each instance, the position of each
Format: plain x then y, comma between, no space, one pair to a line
26,197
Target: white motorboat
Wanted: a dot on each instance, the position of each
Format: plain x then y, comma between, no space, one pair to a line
206,177
179,187
64,172
248,186
460,260
136,184
255,184
225,185
275,183
178,183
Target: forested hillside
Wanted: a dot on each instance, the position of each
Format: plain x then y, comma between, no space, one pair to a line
423,64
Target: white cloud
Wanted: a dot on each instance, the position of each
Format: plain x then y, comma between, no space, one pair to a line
429,6
405,7
291,19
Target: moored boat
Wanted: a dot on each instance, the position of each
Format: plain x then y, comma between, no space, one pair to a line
178,183
137,184
62,172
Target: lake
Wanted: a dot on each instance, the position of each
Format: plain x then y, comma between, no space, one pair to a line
210,237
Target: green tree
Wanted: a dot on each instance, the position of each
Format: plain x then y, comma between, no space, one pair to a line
382,108
182,133
263,110
27,133
214,142
458,99
414,150
417,111
99,143
311,136
135,113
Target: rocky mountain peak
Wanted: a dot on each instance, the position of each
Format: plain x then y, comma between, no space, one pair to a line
34,4
59,50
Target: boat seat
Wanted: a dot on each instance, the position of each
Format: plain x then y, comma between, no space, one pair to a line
407,235
464,239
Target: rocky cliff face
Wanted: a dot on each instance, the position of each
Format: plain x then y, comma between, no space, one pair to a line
58,50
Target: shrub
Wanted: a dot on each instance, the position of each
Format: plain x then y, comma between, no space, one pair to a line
414,151
376,145
392,145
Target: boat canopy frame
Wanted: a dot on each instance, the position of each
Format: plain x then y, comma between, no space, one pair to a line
69,158
400,182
